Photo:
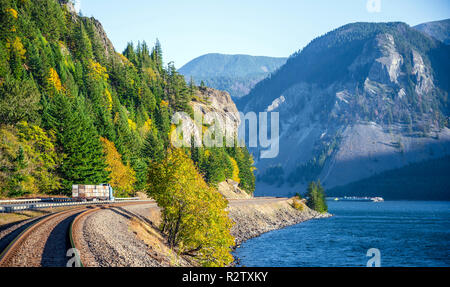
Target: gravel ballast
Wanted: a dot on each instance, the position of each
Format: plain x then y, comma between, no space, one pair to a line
108,241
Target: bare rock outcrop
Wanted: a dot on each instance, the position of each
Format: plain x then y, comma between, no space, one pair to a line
230,190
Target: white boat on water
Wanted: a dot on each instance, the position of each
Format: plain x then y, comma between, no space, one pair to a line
355,198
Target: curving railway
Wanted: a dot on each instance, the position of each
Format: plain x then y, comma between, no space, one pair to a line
45,241
92,234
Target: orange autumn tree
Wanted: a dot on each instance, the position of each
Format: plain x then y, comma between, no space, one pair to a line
122,177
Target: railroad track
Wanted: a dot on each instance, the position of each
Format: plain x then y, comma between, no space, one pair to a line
43,243
74,237
46,241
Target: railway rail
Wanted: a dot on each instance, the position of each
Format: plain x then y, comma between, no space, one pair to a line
46,240
9,206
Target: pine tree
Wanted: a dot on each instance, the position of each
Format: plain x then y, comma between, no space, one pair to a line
19,100
316,197
153,149
4,67
84,160
157,55
244,161
192,87
83,43
130,54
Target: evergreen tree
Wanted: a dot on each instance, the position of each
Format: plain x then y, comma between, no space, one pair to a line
84,160
83,43
153,149
157,55
316,197
19,100
4,67
244,161
130,54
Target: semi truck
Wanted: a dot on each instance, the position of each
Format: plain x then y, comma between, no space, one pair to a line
86,192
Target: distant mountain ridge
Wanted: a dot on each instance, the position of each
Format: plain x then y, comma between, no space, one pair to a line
236,74
439,30
357,101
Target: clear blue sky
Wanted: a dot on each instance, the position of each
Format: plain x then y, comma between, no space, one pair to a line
190,28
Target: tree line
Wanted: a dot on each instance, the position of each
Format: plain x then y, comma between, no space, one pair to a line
74,111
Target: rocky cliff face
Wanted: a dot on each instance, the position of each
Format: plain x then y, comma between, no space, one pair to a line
209,100
105,42
359,100
212,107
98,28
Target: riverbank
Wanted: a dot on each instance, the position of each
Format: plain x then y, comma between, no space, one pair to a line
251,216
251,220
140,242
256,216
398,229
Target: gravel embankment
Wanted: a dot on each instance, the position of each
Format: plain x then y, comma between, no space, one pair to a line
10,229
251,220
109,240
111,243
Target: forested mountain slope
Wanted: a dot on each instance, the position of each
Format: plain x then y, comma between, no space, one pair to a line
439,30
236,74
359,100
73,110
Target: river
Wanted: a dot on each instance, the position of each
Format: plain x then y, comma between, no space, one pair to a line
405,233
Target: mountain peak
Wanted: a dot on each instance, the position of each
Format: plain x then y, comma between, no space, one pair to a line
236,74
439,30
358,100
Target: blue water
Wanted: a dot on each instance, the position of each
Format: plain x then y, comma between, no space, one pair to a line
407,233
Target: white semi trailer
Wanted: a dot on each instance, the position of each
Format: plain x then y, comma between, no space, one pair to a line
86,192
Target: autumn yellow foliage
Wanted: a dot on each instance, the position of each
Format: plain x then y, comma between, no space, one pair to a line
297,204
17,46
194,216
150,73
146,127
164,104
122,177
98,72
132,124
125,60
109,99
28,159
235,175
54,80
12,12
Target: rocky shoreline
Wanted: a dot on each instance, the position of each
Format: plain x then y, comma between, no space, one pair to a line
254,220
113,238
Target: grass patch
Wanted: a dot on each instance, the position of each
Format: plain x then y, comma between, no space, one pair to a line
7,218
